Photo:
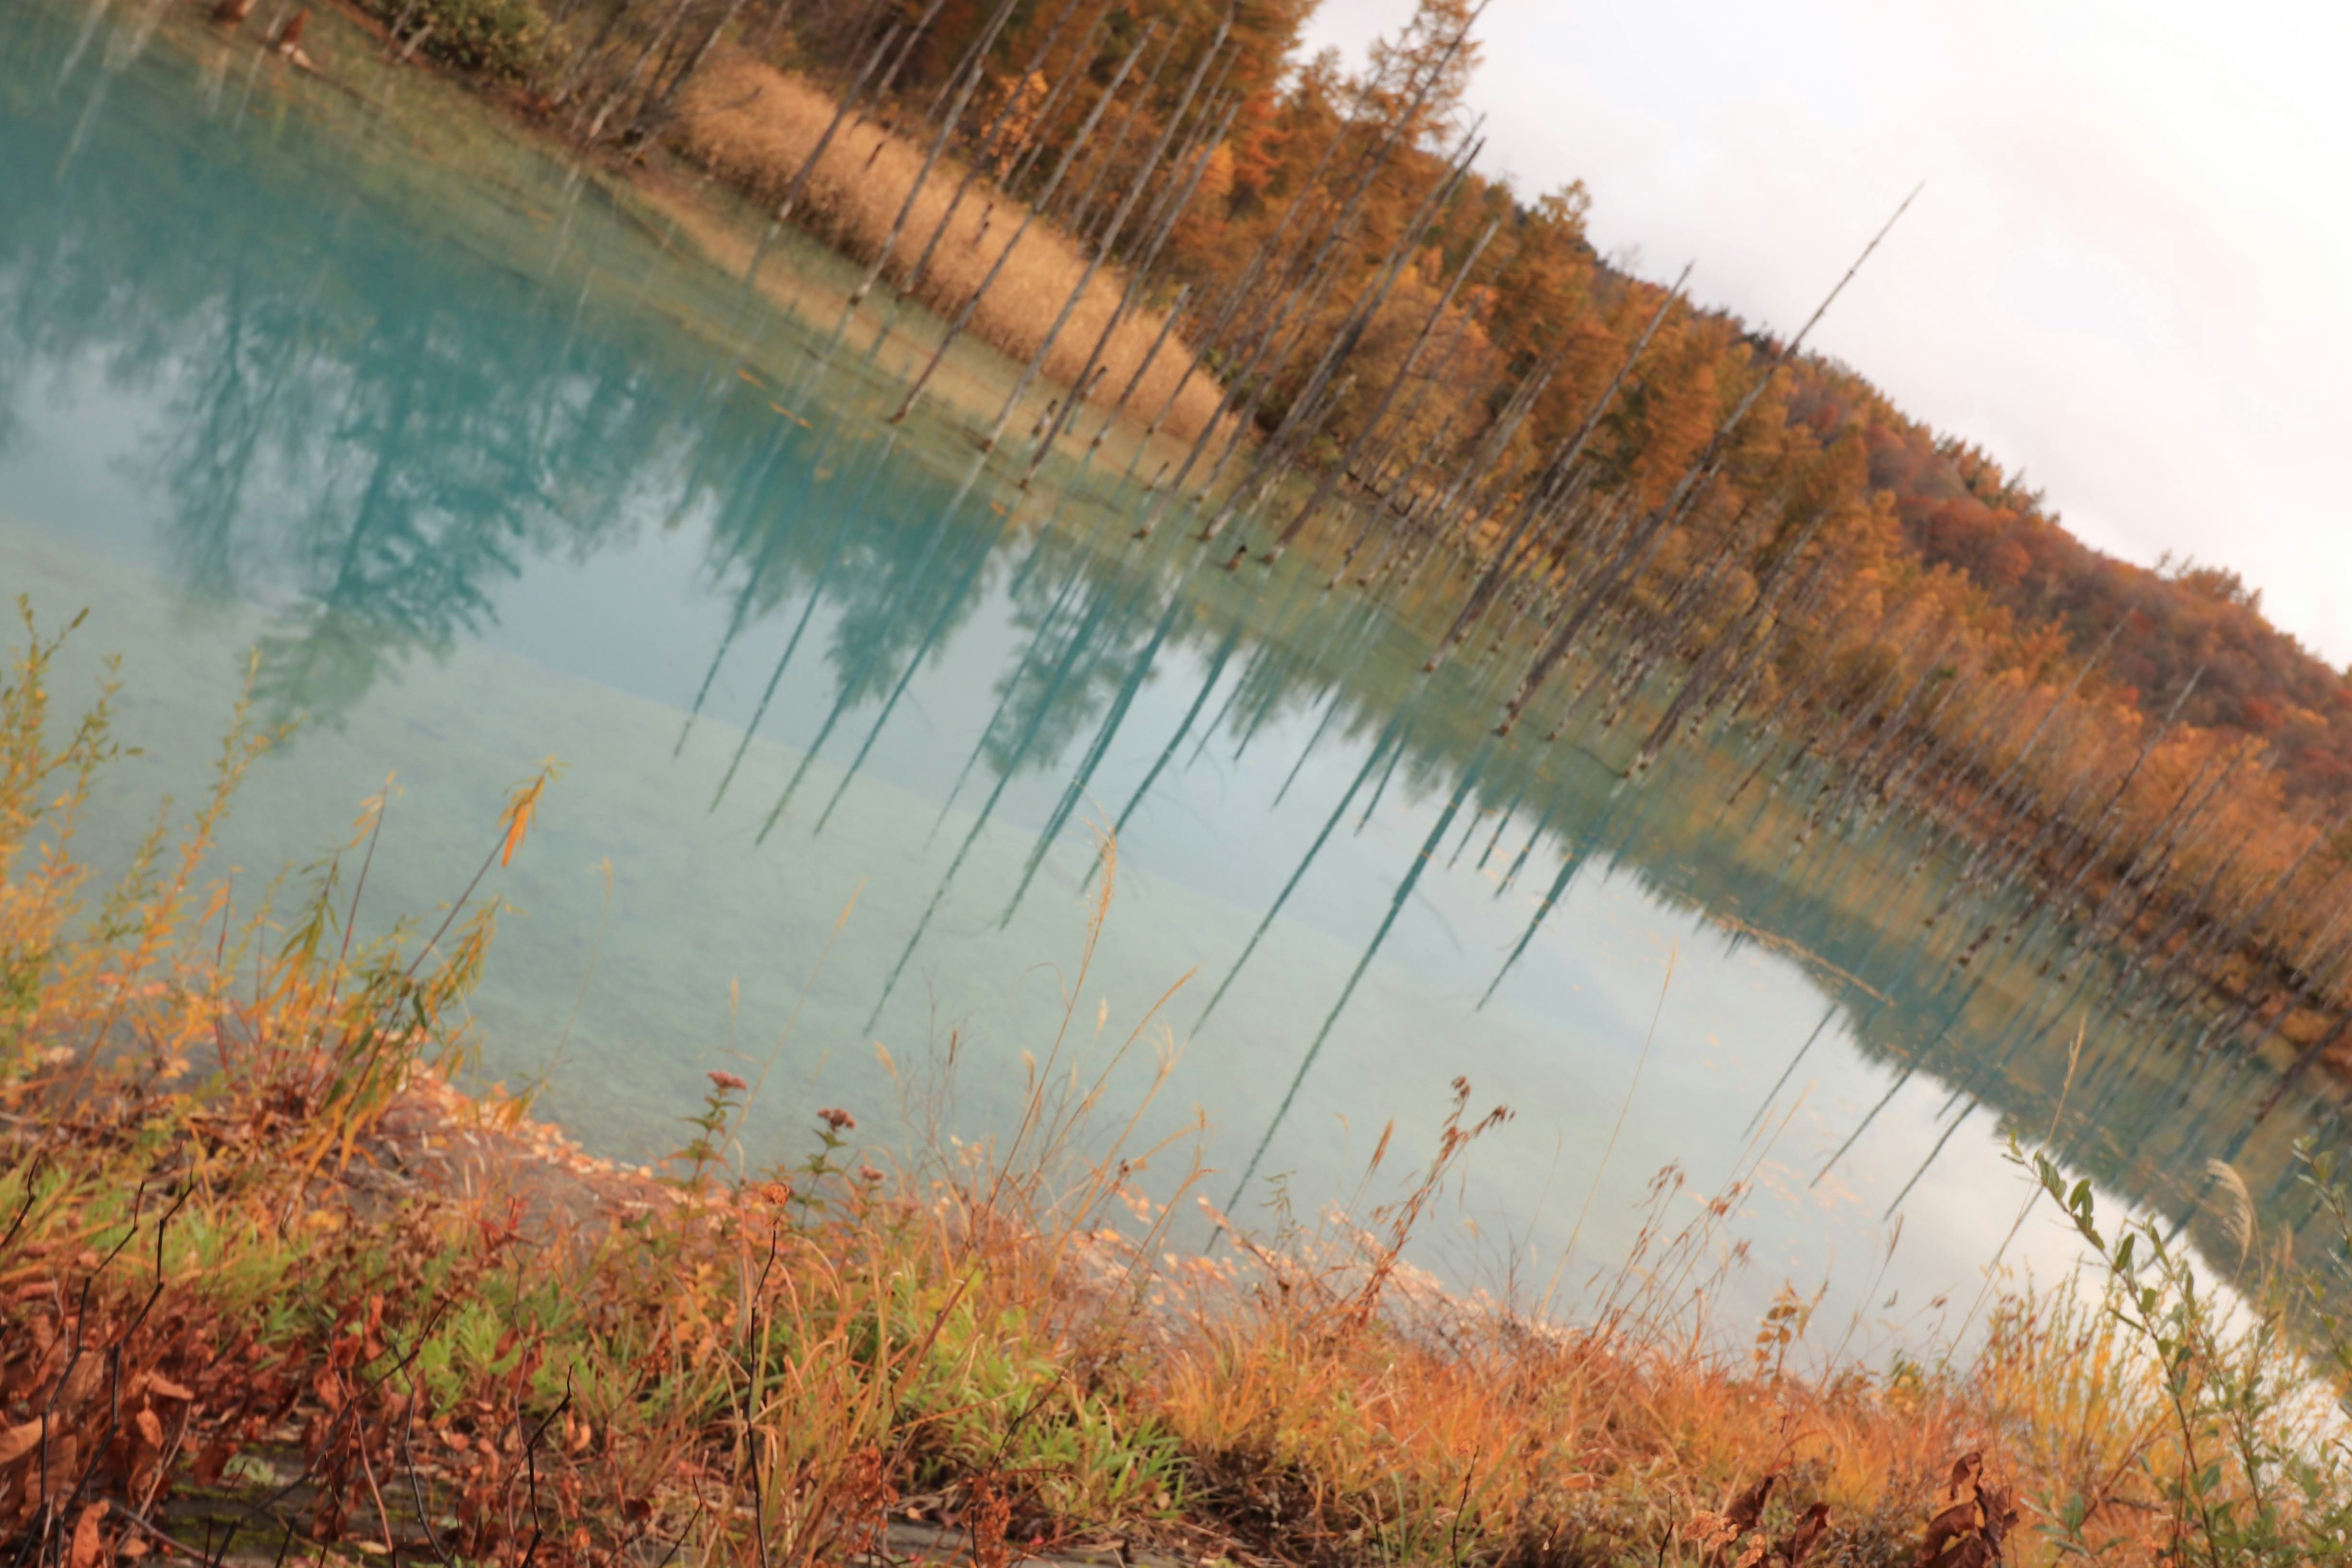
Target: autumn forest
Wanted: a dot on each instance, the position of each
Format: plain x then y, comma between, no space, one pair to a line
1367,339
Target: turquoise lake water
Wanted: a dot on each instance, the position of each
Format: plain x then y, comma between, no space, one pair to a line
485,465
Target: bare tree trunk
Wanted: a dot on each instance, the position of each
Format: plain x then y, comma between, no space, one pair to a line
1139,274
628,81
1684,495
1281,450
987,147
974,69
1482,592
1110,236
963,316
1380,409
657,110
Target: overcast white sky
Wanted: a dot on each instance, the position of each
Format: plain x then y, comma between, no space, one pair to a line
2130,273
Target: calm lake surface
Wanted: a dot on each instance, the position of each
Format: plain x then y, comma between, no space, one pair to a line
485,465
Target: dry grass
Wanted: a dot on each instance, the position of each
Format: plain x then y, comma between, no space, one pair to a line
753,126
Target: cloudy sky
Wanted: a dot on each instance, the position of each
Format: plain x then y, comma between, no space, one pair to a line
2129,273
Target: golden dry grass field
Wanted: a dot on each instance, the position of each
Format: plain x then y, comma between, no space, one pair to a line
753,126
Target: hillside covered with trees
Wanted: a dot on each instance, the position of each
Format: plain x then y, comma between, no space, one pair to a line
1926,515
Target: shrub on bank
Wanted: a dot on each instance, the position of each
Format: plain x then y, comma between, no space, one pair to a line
496,38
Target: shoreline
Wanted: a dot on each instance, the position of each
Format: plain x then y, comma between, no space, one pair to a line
266,1278
676,200
2250,985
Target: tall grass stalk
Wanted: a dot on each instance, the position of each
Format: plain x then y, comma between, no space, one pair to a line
270,1283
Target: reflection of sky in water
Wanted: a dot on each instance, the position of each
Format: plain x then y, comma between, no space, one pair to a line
477,510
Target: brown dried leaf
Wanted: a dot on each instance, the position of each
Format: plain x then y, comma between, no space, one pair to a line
1742,1512
1802,1541
150,1428
1966,1530
1708,1530
2000,1507
1955,1518
81,1381
65,1455
17,1441
89,1540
